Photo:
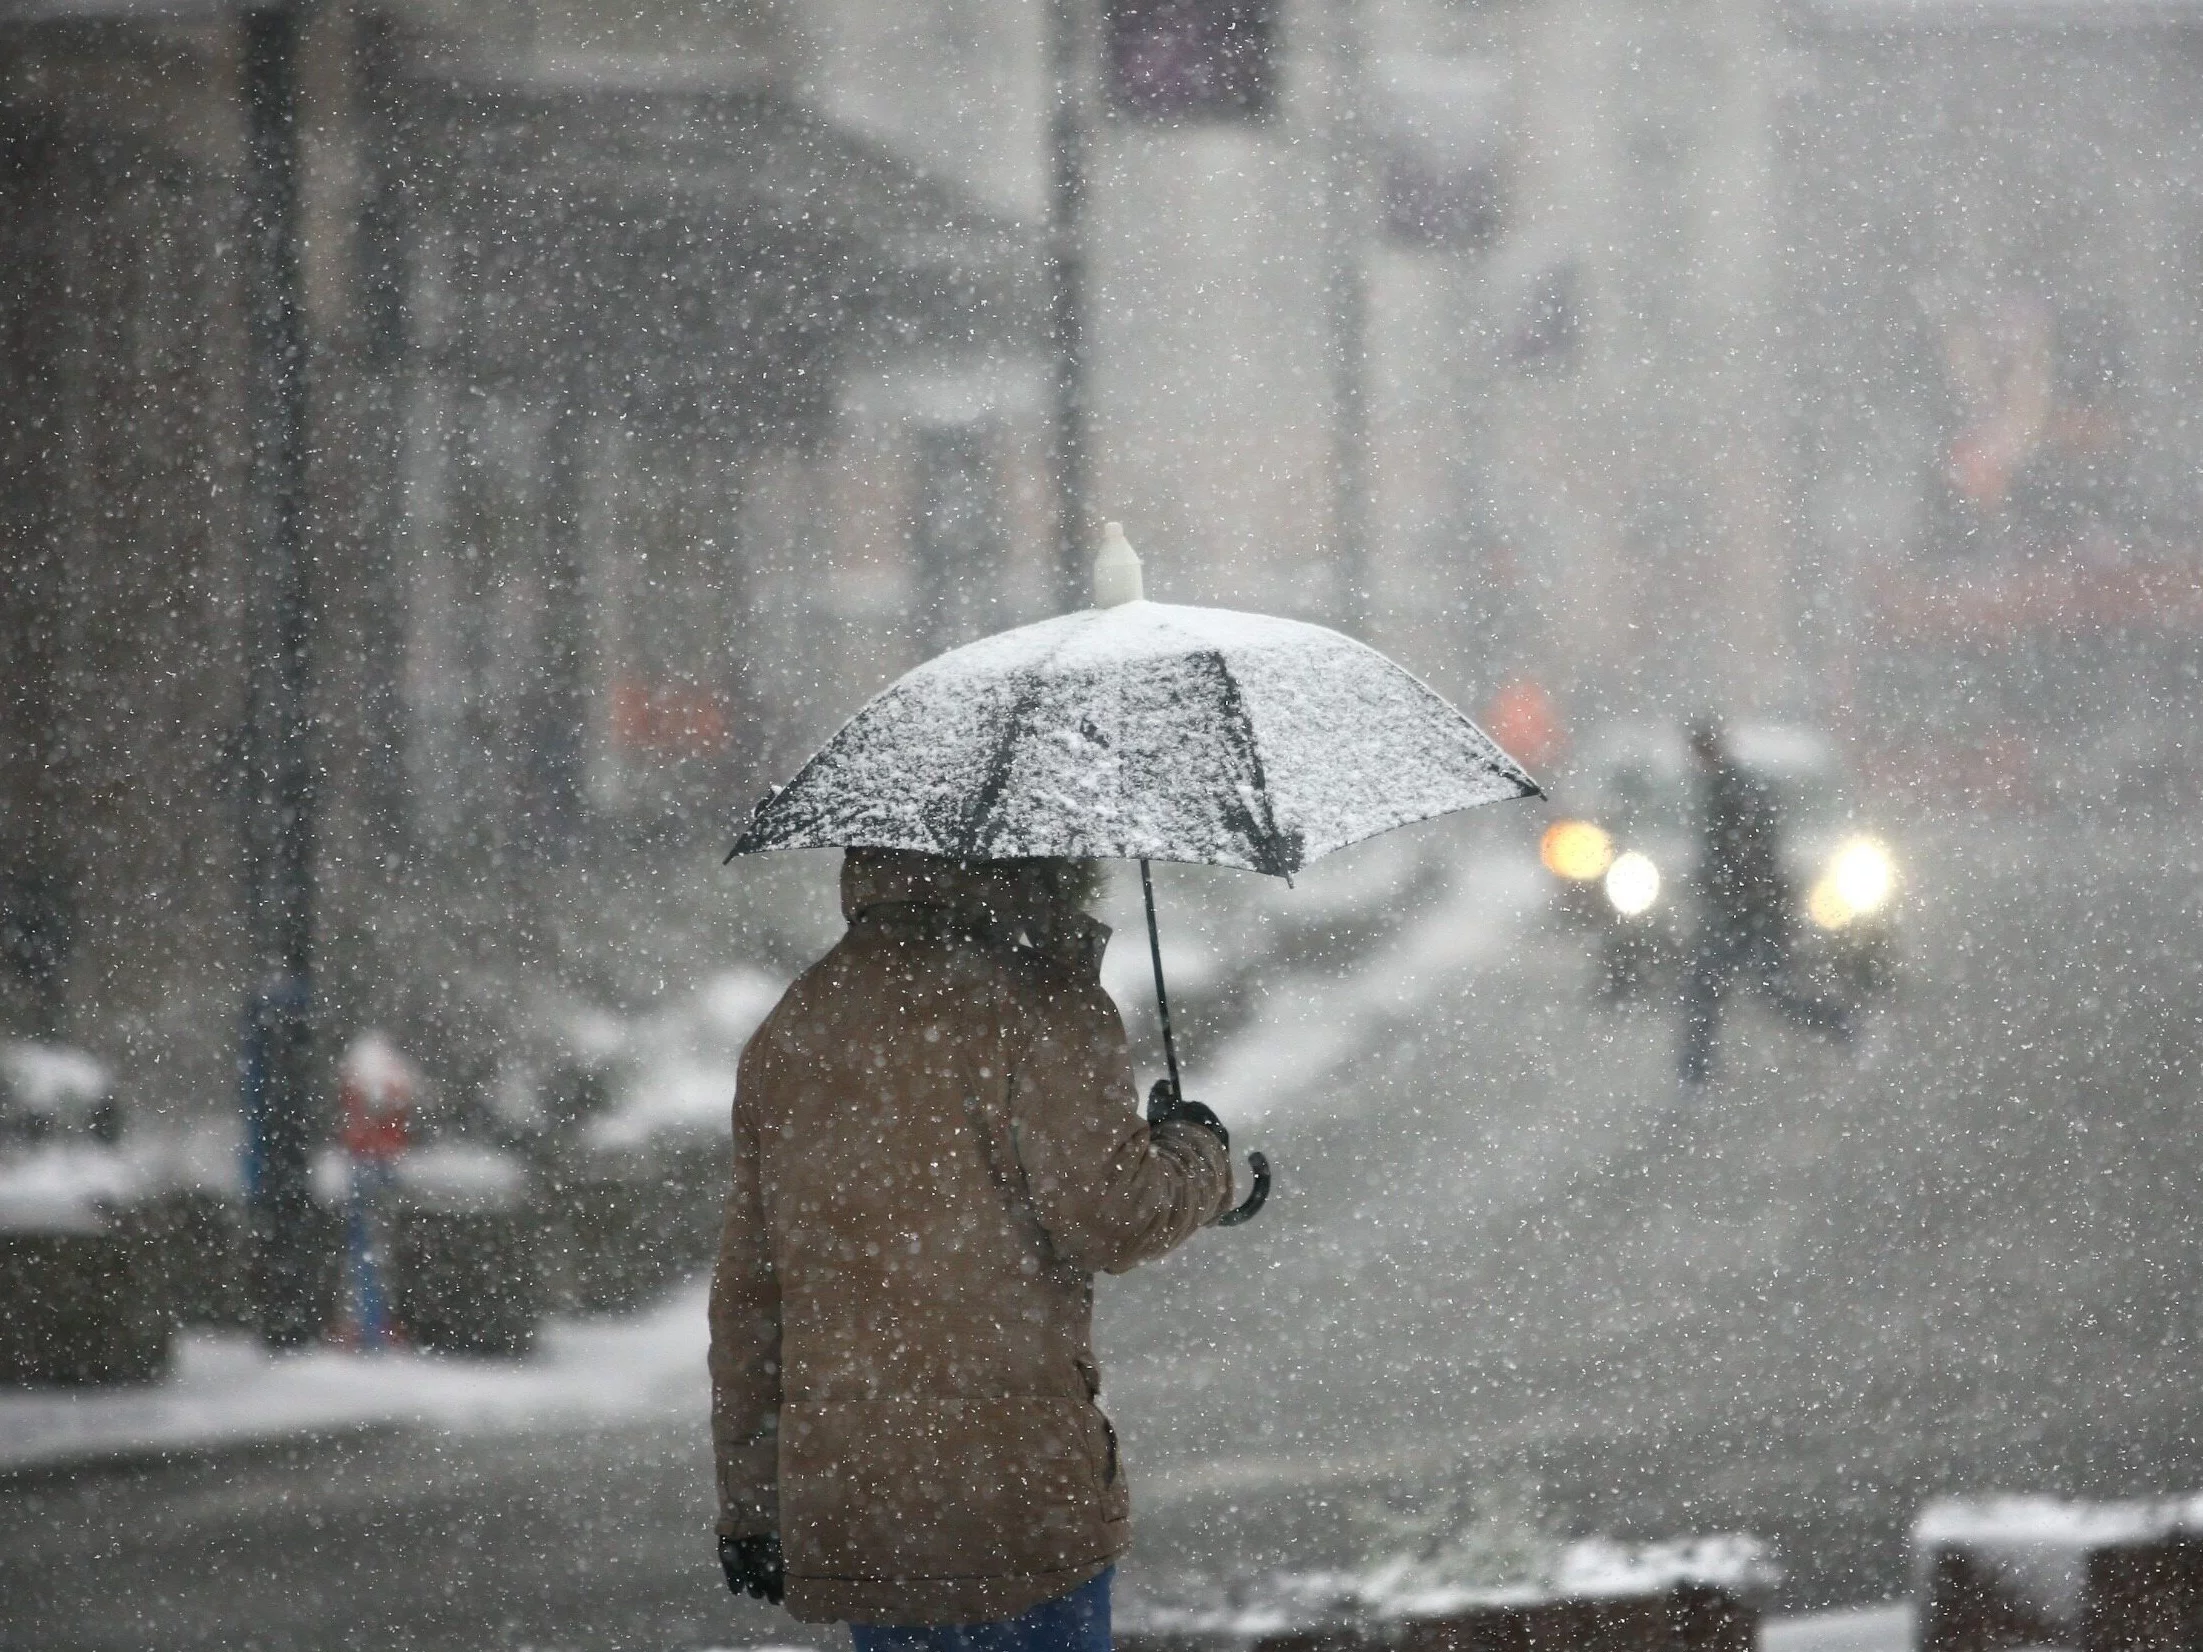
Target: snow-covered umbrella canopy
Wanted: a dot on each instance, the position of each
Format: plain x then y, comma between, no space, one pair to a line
1142,731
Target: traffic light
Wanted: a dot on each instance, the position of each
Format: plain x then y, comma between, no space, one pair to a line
1192,60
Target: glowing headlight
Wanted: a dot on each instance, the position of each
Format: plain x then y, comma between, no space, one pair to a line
1576,850
1632,883
1860,879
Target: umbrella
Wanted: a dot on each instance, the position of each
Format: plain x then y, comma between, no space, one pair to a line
1142,731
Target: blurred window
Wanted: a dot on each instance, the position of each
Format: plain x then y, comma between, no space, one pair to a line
1192,59
1439,128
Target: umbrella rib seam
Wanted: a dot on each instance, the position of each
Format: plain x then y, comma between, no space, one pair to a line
999,761
1276,850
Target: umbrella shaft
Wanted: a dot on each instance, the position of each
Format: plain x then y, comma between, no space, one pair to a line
1162,993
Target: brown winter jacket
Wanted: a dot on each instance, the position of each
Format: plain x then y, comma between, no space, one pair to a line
937,1145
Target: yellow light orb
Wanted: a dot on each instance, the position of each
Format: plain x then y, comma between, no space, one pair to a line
1826,905
1576,850
1864,876
1632,883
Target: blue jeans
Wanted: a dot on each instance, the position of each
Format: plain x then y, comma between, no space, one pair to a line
1076,1622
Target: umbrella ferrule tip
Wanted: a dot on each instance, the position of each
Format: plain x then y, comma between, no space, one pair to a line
1116,569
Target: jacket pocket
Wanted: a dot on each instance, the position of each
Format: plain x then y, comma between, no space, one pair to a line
943,1488
1116,1495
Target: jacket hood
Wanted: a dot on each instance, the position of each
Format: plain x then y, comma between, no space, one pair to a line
1004,898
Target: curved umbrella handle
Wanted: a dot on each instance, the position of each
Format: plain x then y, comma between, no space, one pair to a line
1245,1210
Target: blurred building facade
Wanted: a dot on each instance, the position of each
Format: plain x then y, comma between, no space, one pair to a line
680,376
594,313
1993,228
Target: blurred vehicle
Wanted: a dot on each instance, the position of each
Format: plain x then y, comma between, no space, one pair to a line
77,1300
1624,859
55,1093
466,1269
625,1122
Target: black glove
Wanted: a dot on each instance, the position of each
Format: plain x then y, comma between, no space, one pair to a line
754,1567
1165,1104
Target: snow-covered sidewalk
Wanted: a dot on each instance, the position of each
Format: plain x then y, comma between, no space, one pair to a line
1853,1629
1885,1628
1314,1022
225,1390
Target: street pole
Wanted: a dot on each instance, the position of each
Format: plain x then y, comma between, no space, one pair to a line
279,800
1068,458
1347,304
385,219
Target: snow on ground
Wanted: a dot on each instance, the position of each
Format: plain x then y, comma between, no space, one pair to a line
681,1060
52,1079
2036,1548
2052,1521
62,1187
1597,1567
1313,1022
1882,1628
226,1390
1590,1569
1885,1628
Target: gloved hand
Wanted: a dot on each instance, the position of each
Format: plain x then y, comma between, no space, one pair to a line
1165,1104
754,1567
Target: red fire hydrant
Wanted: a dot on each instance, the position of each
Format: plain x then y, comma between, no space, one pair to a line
377,1088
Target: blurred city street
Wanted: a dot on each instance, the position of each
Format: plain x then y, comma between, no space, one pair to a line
1505,1256
1662,541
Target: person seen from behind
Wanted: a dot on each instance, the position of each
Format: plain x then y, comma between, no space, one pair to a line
1743,910
937,1146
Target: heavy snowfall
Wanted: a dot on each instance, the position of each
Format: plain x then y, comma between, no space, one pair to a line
1617,585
